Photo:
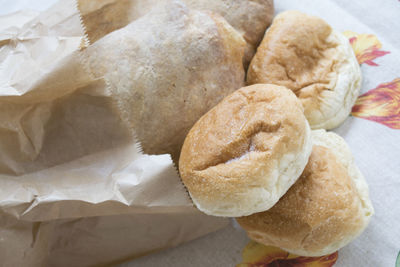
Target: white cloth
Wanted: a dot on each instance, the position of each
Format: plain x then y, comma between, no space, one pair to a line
376,147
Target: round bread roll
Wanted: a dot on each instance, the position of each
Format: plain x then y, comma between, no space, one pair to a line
166,69
246,152
249,17
324,210
304,54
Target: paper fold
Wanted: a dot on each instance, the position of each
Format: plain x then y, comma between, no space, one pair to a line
75,188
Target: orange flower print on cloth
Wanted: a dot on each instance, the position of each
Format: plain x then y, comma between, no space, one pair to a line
398,260
366,47
381,104
257,255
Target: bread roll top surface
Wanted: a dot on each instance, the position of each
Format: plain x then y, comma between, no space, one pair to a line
245,142
319,208
304,54
323,211
255,119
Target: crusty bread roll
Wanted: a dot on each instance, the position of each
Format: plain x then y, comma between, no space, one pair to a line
166,69
249,17
304,54
246,152
324,210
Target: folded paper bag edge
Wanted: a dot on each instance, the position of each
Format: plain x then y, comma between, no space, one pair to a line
27,215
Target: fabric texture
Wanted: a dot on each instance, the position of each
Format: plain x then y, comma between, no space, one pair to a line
372,133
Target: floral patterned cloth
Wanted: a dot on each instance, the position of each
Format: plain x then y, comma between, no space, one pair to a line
372,132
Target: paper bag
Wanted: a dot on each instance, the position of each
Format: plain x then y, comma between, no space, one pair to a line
75,188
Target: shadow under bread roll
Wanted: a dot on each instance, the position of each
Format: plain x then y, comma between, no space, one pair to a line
323,211
246,152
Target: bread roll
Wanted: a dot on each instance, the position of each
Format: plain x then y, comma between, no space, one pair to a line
249,17
323,211
304,54
166,69
246,152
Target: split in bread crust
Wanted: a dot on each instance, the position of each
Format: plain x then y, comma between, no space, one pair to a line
304,54
245,153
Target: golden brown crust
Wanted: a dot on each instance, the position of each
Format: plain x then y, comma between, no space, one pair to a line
322,208
248,114
291,52
304,54
239,143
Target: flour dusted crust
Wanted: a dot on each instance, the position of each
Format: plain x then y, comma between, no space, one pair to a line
241,157
304,54
324,210
249,17
166,69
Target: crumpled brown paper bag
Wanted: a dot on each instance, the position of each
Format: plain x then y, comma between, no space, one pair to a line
75,188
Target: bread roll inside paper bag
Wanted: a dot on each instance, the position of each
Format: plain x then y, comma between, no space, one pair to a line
249,17
75,187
